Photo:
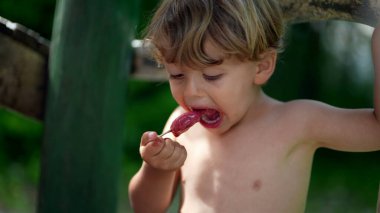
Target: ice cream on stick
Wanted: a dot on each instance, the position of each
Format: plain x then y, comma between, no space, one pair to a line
182,123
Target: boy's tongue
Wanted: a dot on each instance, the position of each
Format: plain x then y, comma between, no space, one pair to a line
209,116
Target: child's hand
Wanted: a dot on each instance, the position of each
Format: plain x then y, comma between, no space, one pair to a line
164,154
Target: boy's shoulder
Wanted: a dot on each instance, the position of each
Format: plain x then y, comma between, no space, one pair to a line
295,116
302,110
302,106
295,108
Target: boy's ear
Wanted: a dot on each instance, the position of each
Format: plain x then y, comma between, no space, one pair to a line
265,66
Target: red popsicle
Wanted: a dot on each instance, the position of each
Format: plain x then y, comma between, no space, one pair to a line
183,122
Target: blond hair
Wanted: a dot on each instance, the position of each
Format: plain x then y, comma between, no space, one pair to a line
242,28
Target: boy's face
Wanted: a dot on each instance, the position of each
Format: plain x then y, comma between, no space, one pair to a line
223,93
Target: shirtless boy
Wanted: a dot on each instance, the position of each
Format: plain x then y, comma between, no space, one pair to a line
250,152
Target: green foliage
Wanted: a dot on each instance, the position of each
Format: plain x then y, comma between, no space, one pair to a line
20,140
310,69
35,14
150,104
344,182
146,12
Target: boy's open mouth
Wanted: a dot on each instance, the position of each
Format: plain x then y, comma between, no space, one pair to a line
210,118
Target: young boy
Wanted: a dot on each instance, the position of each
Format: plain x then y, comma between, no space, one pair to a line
249,152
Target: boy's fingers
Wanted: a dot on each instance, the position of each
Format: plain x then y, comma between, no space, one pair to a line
178,151
180,155
168,149
148,137
177,158
152,148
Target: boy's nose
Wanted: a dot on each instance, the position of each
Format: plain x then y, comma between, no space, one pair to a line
193,88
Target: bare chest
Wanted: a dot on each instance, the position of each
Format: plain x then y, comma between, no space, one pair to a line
260,177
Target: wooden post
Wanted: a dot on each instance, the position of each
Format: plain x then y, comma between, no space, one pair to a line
85,113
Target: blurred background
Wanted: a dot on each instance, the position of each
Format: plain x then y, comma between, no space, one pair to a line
326,61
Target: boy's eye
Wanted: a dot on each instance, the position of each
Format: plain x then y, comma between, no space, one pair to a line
177,76
212,77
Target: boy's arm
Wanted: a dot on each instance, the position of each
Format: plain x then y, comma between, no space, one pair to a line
152,190
348,129
153,186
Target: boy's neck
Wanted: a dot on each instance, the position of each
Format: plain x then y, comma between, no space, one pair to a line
259,107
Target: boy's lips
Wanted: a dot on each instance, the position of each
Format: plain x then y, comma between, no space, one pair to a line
210,118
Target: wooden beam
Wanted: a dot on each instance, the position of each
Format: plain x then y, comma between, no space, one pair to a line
23,69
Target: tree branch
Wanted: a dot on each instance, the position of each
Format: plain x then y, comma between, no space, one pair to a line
360,11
